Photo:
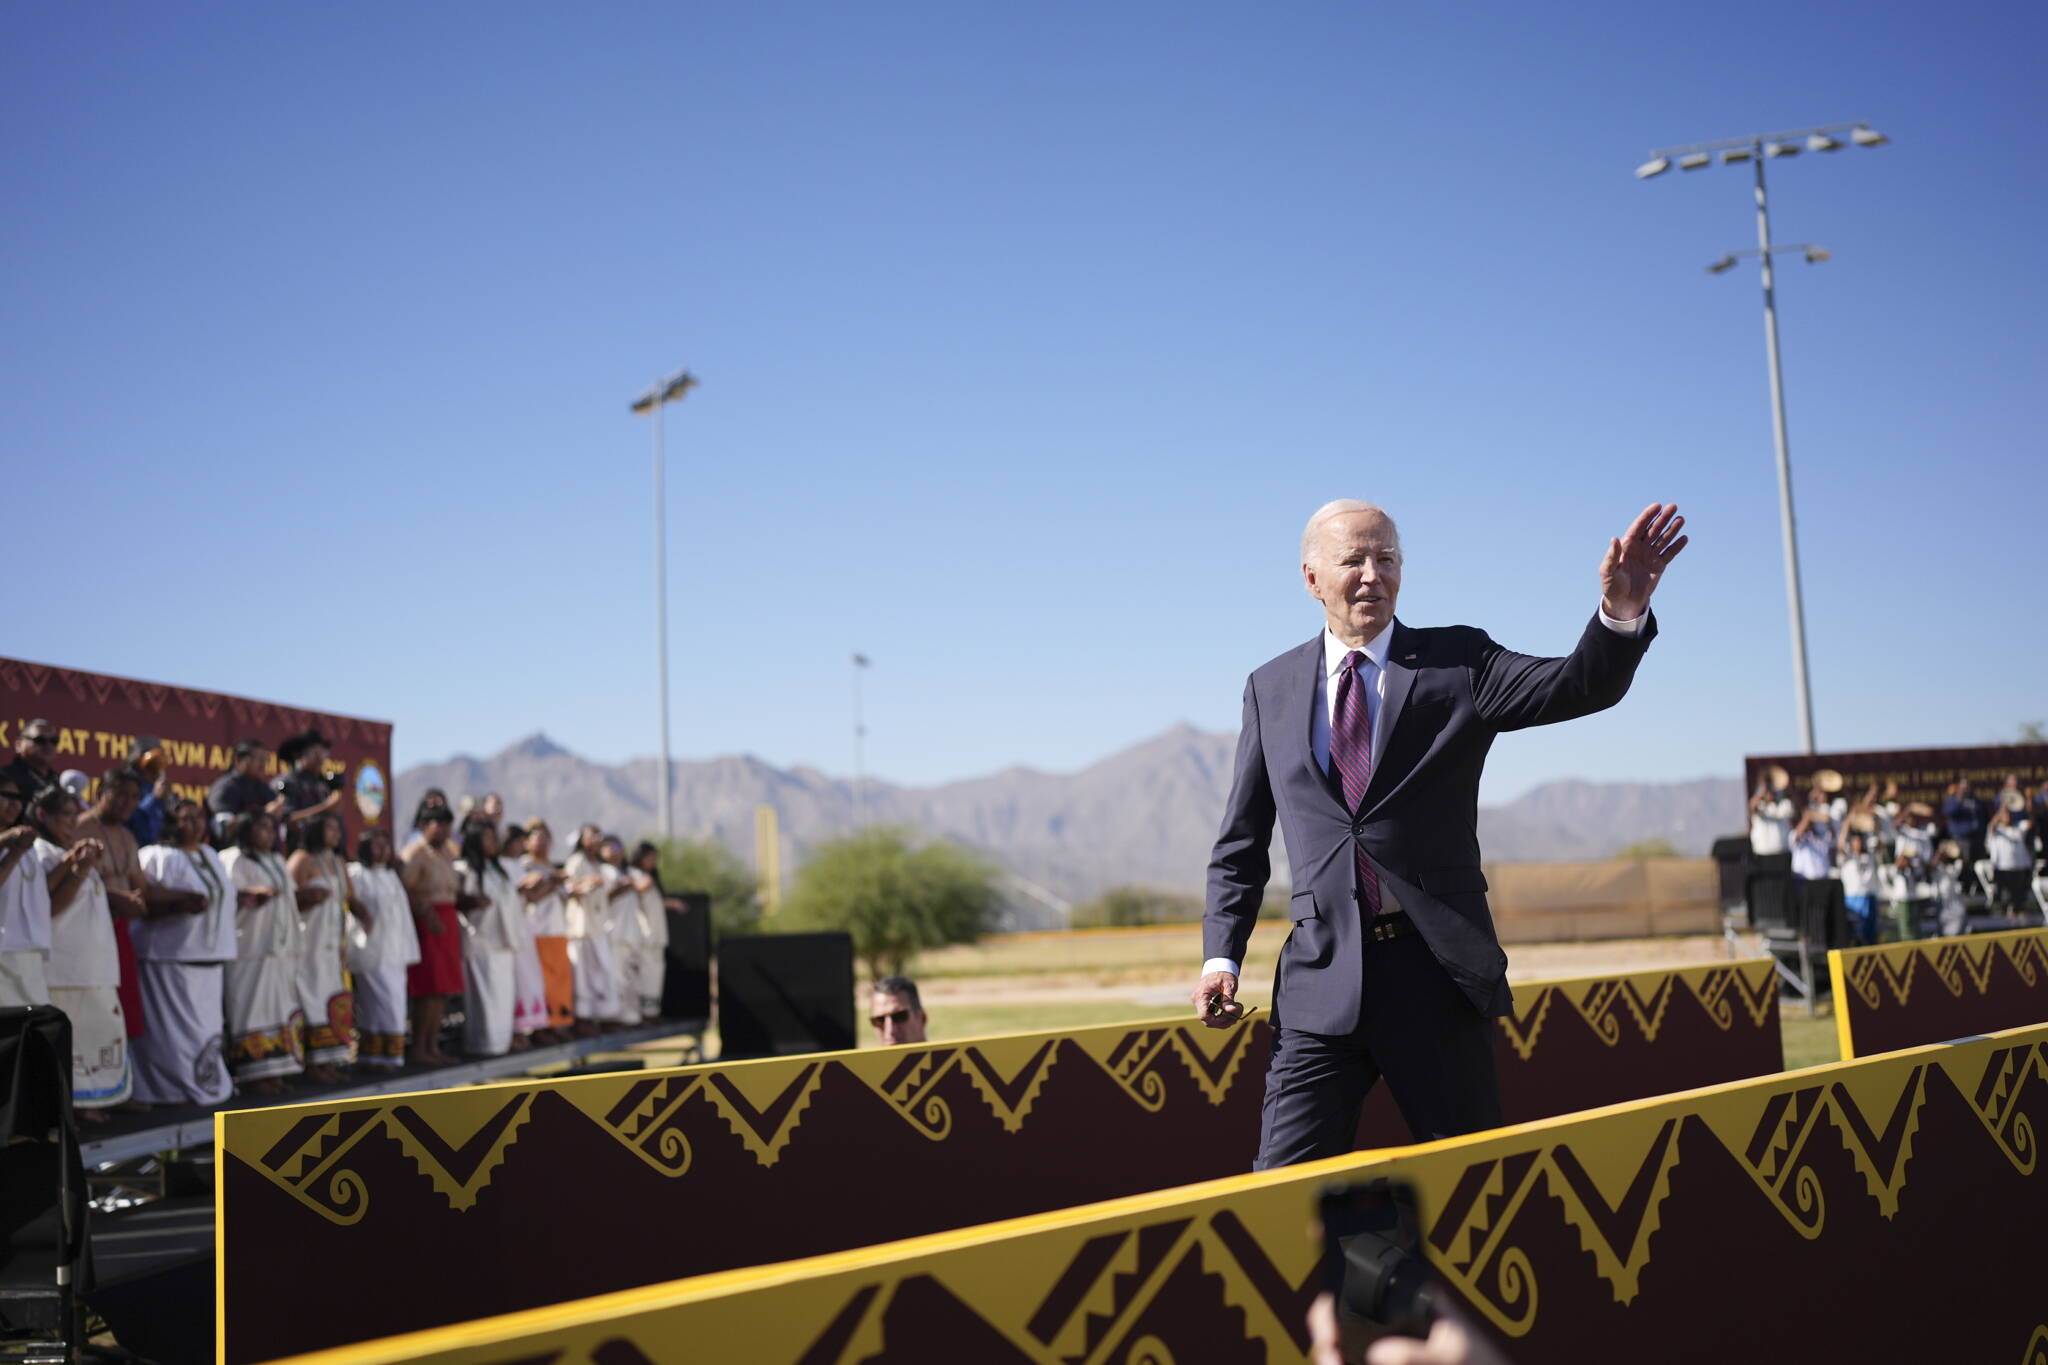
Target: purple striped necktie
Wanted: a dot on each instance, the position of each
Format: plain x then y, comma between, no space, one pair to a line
1351,756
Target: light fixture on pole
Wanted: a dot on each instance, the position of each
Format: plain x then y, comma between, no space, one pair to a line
860,734
670,390
1756,150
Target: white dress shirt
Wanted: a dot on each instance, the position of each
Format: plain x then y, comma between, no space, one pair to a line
1374,674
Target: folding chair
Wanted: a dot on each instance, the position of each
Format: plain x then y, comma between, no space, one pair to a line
1782,912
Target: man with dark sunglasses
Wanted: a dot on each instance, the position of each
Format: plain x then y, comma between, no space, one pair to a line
896,1012
34,768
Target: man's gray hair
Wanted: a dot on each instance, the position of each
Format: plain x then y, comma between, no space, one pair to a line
1339,508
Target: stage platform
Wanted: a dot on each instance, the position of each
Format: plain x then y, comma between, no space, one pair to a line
128,1136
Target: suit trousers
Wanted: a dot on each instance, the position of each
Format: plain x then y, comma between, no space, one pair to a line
1417,1029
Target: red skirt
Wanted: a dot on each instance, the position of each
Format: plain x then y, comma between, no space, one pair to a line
439,970
130,989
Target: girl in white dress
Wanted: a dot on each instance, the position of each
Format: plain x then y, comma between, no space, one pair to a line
264,1020
181,956
628,932
382,943
320,882
654,907
548,918
529,987
488,943
85,963
590,936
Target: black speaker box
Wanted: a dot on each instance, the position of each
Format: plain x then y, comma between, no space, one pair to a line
686,986
784,993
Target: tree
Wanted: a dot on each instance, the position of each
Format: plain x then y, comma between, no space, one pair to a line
2033,732
894,898
1655,847
703,865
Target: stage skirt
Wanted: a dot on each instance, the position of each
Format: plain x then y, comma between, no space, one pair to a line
181,1059
380,1015
488,977
558,979
324,997
439,970
99,1044
264,1023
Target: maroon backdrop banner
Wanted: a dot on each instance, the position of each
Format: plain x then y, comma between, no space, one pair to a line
1922,774
100,717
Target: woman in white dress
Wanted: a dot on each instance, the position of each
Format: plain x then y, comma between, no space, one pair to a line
85,962
182,948
628,931
24,903
382,943
590,933
654,907
488,945
529,987
264,1020
320,886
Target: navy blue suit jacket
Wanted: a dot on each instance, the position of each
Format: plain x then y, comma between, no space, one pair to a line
1449,691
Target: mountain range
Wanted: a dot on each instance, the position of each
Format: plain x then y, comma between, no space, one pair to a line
1144,816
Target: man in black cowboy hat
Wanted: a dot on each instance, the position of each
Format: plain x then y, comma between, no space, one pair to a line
304,786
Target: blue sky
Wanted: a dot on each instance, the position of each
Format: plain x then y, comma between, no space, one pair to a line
1029,335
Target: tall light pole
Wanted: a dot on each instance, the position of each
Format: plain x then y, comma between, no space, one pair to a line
1756,150
860,734
669,390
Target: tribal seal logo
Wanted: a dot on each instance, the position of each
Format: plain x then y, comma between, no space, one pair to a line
370,791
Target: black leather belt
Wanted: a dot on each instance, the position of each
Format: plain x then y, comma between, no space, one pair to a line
1387,928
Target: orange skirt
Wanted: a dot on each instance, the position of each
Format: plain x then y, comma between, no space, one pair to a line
558,979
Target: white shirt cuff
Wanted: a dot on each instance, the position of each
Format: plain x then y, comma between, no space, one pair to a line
1220,964
1634,627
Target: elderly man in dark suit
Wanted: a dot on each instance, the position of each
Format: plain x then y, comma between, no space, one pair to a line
1366,743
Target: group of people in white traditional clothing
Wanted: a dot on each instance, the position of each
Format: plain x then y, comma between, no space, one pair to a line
257,963
544,951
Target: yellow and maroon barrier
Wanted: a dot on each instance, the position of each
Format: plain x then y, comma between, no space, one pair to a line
435,1207
1587,1041
567,1188
1930,990
1881,1209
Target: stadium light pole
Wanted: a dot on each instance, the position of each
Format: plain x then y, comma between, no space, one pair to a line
669,390
860,734
1756,150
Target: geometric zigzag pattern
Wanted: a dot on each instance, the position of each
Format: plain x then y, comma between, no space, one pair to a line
1224,1271
470,1131
457,1139
1980,982
1616,1007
